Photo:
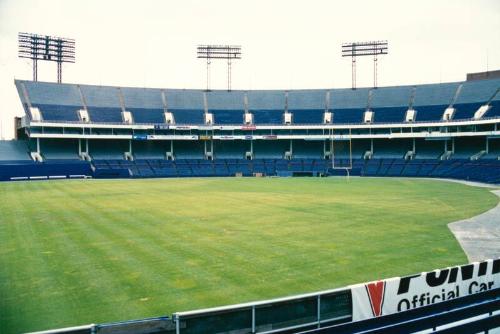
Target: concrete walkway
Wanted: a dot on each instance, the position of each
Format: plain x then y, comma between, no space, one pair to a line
479,236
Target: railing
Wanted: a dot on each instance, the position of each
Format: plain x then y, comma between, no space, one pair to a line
271,316
443,122
85,329
313,314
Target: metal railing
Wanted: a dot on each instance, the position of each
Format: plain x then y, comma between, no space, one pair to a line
270,316
468,314
215,125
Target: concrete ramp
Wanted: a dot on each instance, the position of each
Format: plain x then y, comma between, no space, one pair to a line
479,236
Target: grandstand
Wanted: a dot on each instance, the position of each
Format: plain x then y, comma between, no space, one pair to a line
446,130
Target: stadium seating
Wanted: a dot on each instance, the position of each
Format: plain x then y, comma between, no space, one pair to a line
467,157
59,102
14,150
108,161
486,170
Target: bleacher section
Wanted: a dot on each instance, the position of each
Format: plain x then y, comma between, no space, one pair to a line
59,102
61,160
14,150
485,170
16,164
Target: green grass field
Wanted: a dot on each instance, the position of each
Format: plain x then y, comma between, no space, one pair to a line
78,252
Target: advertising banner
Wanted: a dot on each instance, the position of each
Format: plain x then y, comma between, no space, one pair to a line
400,294
161,126
172,137
272,137
139,137
225,137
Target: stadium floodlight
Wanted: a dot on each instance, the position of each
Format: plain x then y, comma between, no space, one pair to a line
356,49
48,48
228,52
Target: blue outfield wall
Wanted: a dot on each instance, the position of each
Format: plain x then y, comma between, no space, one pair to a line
22,170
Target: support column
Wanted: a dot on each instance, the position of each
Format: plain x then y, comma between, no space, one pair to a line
59,72
229,74
332,155
487,146
318,310
208,74
169,154
79,147
353,72
253,319
350,148
35,69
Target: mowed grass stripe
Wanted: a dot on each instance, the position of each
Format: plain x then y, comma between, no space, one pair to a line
136,258
120,252
106,250
93,266
36,279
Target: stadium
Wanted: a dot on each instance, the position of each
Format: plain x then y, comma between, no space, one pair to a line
437,130
179,210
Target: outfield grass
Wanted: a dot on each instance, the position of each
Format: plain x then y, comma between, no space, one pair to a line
77,252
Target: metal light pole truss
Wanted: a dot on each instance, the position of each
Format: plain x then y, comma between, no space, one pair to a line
372,48
48,48
228,52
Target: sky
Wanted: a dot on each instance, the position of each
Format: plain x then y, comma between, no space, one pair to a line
286,44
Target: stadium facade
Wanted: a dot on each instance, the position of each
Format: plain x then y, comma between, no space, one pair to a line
434,130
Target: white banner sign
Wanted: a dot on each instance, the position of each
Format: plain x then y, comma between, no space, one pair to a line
400,294
171,137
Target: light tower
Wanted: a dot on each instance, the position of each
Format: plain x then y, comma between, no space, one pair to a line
48,48
372,48
228,52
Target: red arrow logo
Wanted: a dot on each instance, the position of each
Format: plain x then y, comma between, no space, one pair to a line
376,293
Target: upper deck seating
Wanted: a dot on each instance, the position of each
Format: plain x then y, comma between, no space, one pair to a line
60,102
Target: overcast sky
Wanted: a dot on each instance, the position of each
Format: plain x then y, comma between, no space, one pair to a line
286,44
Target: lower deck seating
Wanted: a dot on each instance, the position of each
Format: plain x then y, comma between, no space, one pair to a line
486,169
483,170
14,150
